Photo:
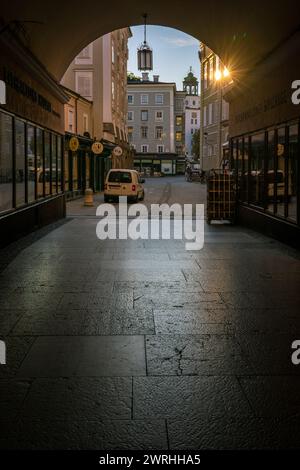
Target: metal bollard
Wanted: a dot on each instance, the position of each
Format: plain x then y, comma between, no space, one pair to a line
88,197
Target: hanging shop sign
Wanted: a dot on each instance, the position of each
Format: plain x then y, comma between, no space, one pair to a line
97,147
117,151
73,144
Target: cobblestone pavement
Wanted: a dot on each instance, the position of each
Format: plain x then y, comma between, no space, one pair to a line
143,345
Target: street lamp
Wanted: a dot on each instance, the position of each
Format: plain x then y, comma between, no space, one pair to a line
144,53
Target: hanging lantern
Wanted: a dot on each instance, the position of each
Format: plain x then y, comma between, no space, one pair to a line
144,53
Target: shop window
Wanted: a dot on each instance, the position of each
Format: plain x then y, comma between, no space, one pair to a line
40,162
47,163
6,170
178,136
75,171
87,170
292,172
270,177
239,165
256,183
280,176
245,171
31,170
53,164
20,162
66,170
178,120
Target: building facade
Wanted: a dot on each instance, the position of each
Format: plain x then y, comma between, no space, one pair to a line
214,111
265,144
156,126
99,74
31,141
191,111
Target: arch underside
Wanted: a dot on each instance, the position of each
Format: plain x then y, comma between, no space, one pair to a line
241,33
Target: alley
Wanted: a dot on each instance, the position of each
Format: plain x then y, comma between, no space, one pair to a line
123,344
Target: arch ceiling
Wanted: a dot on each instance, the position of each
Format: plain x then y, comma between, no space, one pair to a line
240,32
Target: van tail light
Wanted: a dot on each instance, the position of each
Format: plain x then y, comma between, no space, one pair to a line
133,187
105,186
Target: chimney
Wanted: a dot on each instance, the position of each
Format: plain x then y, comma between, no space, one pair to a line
145,76
156,78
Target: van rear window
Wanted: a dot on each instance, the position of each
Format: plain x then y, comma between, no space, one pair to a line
119,177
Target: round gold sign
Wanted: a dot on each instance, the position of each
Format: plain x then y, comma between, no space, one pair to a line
73,144
97,148
117,151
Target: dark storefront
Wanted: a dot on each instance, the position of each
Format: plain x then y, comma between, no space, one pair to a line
31,144
265,146
156,165
82,168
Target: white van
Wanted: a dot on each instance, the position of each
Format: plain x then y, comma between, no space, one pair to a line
125,182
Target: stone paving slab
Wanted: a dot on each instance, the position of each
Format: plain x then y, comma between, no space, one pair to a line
195,355
273,396
237,433
17,349
84,356
12,396
87,435
269,353
188,397
79,398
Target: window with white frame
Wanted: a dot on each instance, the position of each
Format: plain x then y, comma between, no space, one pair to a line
144,132
159,99
130,99
85,57
160,149
130,132
144,148
144,99
205,74
144,115
85,123
210,113
158,132
84,83
130,116
205,116
113,90
159,116
112,53
71,120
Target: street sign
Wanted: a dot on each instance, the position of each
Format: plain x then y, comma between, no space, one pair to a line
117,151
73,144
97,147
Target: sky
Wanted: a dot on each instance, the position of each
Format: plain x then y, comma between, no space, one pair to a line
173,53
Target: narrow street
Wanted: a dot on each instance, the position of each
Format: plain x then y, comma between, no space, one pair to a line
168,190
143,345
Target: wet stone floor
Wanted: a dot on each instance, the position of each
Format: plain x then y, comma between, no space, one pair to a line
144,345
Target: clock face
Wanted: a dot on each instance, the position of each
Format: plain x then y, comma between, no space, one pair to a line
74,144
117,151
97,148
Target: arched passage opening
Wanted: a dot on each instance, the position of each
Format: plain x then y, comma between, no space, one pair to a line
252,42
